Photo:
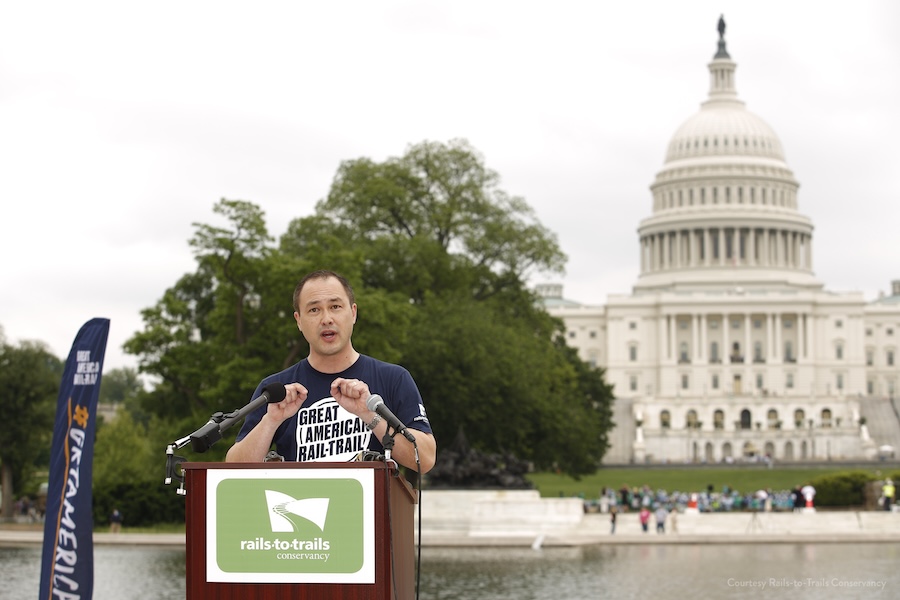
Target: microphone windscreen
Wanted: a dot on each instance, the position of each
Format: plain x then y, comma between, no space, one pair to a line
275,391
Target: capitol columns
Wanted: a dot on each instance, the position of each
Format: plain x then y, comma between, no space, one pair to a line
779,343
748,355
696,353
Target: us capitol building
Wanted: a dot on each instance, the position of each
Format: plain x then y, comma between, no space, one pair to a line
728,347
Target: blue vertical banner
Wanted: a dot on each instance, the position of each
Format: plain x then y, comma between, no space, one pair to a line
67,562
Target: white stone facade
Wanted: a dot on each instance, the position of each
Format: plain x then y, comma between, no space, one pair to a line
728,347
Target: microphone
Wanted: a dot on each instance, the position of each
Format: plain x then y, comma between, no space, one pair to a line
376,404
209,434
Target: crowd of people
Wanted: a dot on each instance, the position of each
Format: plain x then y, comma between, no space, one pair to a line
660,507
633,499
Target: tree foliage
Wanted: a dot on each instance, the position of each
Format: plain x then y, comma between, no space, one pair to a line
118,386
435,218
29,386
439,257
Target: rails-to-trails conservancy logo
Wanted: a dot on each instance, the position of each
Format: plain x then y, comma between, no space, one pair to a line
286,525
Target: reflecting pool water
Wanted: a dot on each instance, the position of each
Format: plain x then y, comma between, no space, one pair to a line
794,571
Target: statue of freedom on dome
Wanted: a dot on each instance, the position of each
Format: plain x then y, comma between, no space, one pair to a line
721,27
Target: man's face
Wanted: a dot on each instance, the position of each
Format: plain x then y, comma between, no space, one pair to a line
326,316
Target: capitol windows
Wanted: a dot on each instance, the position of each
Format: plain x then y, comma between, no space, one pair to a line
789,381
691,419
759,381
870,357
826,418
632,325
799,418
839,381
718,420
714,352
632,353
683,353
772,419
870,387
839,351
889,358
685,382
757,352
736,356
665,420
632,383
715,382
839,323
789,352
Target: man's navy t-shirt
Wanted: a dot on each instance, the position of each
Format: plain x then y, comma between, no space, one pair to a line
322,430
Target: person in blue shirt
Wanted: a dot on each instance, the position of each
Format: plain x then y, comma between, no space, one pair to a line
325,416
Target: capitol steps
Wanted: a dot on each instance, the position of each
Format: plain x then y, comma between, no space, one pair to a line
882,420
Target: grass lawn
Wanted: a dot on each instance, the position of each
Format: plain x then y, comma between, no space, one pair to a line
693,478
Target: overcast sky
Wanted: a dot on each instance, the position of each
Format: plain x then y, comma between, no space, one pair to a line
123,123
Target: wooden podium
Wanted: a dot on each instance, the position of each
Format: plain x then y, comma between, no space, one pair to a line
387,517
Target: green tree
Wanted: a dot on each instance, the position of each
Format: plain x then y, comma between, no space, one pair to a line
119,385
29,385
436,219
123,454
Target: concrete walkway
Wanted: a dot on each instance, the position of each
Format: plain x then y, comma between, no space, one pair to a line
594,528
34,535
710,528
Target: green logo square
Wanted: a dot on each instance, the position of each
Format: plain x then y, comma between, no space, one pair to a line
292,525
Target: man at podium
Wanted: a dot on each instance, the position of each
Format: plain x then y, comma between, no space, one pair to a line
327,414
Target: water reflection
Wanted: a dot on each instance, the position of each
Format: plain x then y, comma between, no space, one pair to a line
794,571
737,571
149,573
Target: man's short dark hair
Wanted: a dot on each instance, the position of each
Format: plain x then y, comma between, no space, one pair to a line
322,274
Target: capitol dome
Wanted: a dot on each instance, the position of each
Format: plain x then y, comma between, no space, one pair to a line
724,129
725,202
